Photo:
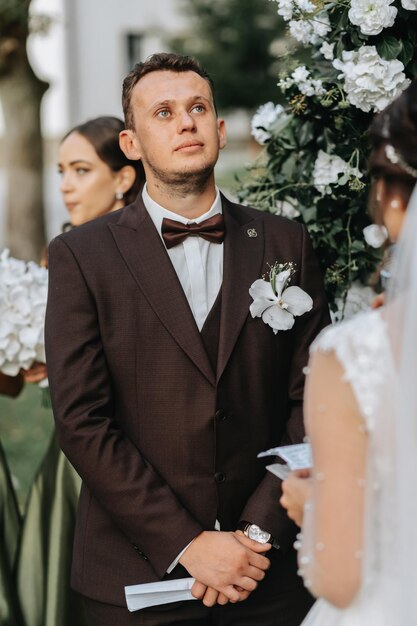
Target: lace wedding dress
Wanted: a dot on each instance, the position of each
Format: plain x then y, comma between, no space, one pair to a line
362,347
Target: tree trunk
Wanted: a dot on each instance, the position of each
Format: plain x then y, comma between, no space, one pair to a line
20,95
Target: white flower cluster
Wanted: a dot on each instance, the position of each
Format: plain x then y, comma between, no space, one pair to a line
305,24
23,292
327,50
287,208
263,121
330,169
375,235
371,82
310,31
372,16
306,85
290,8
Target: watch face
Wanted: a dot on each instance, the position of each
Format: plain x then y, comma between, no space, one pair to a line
257,534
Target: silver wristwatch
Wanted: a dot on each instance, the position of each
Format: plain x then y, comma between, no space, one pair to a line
257,534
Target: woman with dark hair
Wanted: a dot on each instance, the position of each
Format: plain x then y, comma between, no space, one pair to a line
96,175
96,178
358,505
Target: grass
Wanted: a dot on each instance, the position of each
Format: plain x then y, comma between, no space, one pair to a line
25,430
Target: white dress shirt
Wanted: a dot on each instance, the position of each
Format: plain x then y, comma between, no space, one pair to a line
197,262
199,267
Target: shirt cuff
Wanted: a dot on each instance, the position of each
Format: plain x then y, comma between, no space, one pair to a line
176,561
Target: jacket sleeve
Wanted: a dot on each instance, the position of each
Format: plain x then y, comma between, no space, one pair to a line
138,501
263,506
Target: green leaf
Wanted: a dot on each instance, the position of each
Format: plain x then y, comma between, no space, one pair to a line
412,69
289,166
306,133
309,215
406,53
358,245
344,20
356,38
389,48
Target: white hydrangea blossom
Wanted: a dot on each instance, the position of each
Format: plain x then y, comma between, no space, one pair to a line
327,170
310,31
300,74
302,31
321,25
305,5
287,208
285,9
375,235
409,5
23,292
263,121
285,83
372,16
327,50
371,82
306,85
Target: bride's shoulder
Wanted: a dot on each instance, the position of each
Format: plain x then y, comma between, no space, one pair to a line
365,330
361,346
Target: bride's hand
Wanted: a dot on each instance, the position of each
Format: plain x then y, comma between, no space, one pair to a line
35,373
295,492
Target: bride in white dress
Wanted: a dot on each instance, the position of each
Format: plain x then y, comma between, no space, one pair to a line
358,546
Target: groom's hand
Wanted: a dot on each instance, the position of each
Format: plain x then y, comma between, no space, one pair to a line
210,596
220,561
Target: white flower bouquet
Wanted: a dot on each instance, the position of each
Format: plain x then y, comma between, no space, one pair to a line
362,55
23,293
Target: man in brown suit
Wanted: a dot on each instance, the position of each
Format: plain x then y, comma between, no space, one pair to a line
165,388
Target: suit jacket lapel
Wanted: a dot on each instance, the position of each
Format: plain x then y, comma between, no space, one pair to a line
146,257
243,256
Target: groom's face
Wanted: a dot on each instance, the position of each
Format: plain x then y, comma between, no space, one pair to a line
177,133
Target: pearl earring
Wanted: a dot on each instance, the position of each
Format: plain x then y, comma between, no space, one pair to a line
395,204
119,195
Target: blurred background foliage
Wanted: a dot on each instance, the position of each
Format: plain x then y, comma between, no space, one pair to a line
234,40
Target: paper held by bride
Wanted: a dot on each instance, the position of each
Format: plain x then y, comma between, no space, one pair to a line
296,457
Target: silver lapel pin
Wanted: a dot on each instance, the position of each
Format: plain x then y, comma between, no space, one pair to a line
252,232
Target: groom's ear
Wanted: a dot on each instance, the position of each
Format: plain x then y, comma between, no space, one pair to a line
129,144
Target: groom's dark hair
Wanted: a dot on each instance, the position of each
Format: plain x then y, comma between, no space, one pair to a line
165,61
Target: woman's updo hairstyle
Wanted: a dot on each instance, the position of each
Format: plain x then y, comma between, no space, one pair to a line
103,134
393,135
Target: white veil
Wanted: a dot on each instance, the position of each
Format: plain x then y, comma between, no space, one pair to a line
401,554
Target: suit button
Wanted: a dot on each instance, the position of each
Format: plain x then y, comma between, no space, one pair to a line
220,415
219,477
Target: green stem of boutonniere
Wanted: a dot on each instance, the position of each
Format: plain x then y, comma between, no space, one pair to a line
273,277
276,269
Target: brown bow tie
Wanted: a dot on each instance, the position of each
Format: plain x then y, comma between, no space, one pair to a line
174,233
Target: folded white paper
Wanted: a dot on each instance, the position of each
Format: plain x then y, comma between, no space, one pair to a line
280,470
163,592
297,457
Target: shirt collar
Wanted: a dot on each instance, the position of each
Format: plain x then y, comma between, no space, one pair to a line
157,212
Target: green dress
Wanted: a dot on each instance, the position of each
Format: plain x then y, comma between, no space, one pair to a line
45,554
10,523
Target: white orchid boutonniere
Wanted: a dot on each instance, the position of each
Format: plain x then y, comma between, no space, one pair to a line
277,304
